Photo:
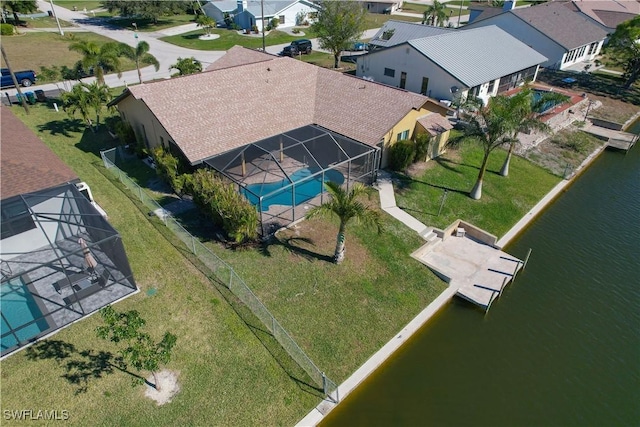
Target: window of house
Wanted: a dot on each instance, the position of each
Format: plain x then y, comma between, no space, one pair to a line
492,86
281,19
425,85
388,34
403,135
389,72
16,218
403,80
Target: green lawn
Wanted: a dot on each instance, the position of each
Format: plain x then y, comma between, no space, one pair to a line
230,38
232,373
504,200
228,376
80,5
23,56
376,20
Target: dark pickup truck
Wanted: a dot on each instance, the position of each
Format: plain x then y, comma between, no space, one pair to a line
25,78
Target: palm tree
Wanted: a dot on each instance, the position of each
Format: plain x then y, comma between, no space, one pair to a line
206,22
491,127
186,66
77,100
98,96
140,55
83,98
101,58
345,206
435,14
525,113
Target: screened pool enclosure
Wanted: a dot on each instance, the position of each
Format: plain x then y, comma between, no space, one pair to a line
60,261
284,175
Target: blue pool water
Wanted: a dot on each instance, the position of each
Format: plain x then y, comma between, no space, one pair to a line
537,94
306,188
19,308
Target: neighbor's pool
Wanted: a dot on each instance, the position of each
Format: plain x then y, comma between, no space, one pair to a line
19,308
537,94
306,188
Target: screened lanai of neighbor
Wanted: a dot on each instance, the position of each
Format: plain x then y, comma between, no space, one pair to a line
60,261
283,175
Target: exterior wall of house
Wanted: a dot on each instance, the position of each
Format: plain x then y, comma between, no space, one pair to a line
246,19
526,34
404,129
381,7
145,125
581,54
404,58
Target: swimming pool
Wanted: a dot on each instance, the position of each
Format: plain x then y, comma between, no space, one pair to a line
306,188
537,94
19,308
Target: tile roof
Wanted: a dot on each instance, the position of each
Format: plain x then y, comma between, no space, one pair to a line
404,31
468,56
27,164
435,123
213,112
239,56
556,21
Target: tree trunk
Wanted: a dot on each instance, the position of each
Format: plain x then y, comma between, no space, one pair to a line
139,72
476,192
336,60
338,257
633,76
16,18
156,384
505,167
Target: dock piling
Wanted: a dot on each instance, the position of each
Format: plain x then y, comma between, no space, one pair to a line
526,260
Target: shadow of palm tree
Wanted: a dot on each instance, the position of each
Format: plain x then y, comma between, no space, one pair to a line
291,245
405,180
63,127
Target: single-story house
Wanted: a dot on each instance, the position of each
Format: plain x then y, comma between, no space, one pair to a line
565,37
277,119
60,259
481,62
264,96
247,13
395,32
381,6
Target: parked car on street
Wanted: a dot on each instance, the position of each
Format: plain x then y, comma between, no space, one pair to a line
25,78
290,51
303,45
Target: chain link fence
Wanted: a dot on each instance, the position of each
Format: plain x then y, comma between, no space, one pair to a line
228,277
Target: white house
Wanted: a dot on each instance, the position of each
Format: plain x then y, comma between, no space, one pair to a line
565,37
381,6
247,13
450,66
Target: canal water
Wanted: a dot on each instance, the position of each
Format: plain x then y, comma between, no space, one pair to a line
560,347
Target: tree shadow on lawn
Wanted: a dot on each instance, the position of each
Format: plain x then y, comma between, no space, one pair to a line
404,182
63,127
291,245
80,366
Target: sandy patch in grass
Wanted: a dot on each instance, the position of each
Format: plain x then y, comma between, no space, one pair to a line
168,385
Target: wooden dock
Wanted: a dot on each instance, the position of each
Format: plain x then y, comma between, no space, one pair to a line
616,139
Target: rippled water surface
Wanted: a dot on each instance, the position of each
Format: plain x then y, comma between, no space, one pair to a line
561,347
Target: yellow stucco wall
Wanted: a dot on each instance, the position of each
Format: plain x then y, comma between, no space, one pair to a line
144,123
409,122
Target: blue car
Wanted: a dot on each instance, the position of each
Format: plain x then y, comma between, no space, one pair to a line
360,46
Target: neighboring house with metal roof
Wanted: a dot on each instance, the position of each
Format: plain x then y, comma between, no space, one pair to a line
248,13
213,112
47,279
397,32
481,62
563,36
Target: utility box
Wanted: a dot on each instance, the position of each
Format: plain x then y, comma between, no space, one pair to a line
40,96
